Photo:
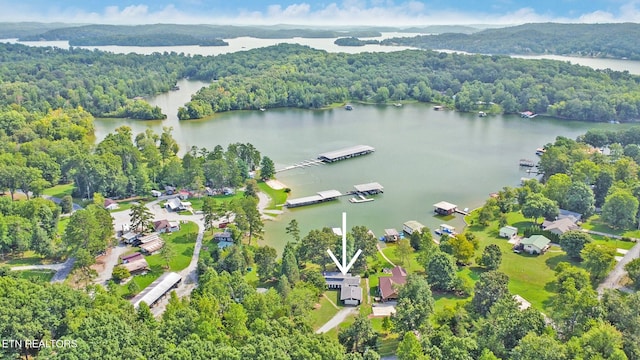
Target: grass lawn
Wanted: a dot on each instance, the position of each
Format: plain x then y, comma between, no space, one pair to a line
530,276
618,244
36,275
141,280
595,224
183,242
26,258
322,314
278,197
196,203
413,267
59,191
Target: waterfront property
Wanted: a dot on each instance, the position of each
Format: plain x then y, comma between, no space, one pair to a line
445,208
508,232
349,285
346,153
560,226
535,244
320,196
388,286
411,226
157,289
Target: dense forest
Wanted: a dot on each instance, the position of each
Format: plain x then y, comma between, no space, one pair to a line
104,84
174,34
593,40
296,76
285,75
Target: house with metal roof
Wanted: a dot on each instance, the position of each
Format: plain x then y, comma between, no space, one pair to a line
508,232
535,244
388,285
560,226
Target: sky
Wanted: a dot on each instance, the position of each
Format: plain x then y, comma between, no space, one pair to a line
300,12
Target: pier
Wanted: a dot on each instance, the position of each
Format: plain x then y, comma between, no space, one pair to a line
302,164
321,196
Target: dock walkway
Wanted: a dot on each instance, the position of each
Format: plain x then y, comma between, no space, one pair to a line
305,163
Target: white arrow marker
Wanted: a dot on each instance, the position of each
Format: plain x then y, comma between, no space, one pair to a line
344,268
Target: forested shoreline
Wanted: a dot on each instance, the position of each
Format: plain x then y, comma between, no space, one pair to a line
295,76
285,75
616,41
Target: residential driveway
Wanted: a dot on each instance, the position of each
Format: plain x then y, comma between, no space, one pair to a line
64,271
337,319
612,281
108,262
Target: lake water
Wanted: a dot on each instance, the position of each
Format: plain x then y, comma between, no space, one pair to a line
422,156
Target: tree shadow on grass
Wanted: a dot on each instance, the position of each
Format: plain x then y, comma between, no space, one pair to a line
552,262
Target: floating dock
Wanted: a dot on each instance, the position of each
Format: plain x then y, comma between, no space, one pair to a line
346,153
321,196
527,163
360,199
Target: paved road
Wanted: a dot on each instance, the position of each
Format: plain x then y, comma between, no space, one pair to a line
110,261
58,200
336,319
612,281
62,269
63,272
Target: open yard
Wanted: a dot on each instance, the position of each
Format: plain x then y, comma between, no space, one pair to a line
59,191
36,275
595,224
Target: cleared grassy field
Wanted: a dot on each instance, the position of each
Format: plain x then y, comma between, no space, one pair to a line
59,190
36,275
320,315
595,224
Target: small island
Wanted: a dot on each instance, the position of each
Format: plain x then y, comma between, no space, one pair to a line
354,41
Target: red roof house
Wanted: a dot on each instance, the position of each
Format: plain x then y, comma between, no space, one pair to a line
388,285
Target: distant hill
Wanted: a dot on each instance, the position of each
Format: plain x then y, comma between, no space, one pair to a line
595,40
173,34
11,30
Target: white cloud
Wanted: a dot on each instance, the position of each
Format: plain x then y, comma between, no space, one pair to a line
347,12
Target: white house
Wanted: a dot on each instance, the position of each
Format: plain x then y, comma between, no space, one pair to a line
156,193
508,232
535,244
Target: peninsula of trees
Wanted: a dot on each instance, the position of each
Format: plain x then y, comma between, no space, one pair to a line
593,40
296,76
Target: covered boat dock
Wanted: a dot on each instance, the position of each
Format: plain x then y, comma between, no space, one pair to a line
369,188
320,196
345,153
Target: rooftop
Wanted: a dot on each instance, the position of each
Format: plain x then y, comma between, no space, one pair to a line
445,206
413,224
351,292
368,187
391,232
158,288
346,152
538,241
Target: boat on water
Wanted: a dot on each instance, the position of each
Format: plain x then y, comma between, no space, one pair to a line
263,109
540,151
348,107
438,107
482,113
397,104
